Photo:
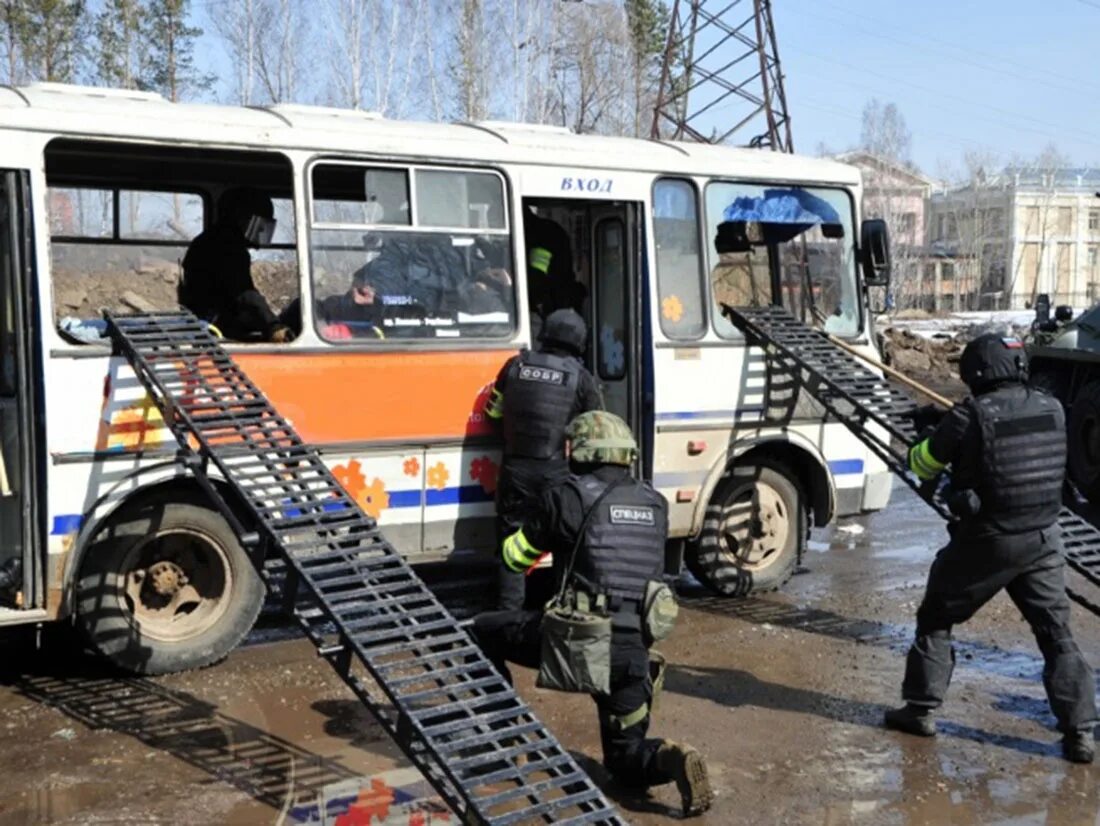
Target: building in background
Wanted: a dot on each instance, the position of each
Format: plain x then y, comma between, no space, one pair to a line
1019,233
899,195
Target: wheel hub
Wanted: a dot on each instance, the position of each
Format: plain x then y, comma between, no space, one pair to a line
167,578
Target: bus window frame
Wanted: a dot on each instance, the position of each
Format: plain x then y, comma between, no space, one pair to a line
116,224
508,192
703,274
774,264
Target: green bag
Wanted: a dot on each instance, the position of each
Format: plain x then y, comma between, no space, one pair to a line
576,647
659,611
575,651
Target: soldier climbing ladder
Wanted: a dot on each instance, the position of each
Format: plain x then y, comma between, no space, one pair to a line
875,412
388,637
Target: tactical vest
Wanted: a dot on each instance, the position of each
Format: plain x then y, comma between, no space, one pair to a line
623,546
539,397
1022,461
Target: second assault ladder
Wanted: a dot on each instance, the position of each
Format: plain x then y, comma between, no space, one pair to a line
875,412
387,636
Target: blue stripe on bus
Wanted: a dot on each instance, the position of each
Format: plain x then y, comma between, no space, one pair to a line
460,495
845,467
66,523
690,415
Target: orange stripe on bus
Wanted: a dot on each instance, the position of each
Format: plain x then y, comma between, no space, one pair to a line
345,397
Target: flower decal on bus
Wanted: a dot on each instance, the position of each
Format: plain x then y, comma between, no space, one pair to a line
412,466
372,498
484,470
438,476
672,308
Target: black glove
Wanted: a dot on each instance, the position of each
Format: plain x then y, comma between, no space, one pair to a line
926,416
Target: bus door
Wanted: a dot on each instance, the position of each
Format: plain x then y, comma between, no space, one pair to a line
18,503
614,309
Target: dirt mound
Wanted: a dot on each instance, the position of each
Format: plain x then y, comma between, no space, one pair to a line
143,281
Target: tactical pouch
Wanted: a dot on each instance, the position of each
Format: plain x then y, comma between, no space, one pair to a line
576,646
659,611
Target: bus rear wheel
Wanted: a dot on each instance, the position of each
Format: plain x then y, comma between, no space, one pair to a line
752,533
166,587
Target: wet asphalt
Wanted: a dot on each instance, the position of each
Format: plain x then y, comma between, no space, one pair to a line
784,694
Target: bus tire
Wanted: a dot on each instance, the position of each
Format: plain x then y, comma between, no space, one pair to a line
744,550
166,586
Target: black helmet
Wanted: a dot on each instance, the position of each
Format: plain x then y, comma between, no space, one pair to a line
566,329
249,210
991,359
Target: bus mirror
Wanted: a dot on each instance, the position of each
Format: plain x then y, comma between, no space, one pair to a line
875,250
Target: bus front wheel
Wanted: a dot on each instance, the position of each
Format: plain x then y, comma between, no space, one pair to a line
752,533
166,586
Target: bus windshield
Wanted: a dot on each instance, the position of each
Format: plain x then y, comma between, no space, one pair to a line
799,240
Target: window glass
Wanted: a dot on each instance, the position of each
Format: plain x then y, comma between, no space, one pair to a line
801,237
159,216
378,277
82,213
347,194
473,200
679,264
611,291
284,222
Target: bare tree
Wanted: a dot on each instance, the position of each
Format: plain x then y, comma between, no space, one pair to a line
236,25
470,66
280,33
12,22
1043,170
886,138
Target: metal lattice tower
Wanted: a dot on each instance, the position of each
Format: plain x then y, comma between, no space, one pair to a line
721,67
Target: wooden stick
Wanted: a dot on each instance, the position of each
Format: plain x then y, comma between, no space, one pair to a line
890,371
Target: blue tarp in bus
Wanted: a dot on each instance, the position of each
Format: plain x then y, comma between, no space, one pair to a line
782,206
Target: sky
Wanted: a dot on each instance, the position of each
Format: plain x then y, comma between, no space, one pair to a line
1000,76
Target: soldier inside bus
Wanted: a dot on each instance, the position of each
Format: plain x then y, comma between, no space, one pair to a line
217,283
741,277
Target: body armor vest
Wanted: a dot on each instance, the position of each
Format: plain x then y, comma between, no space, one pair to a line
539,399
623,546
1022,462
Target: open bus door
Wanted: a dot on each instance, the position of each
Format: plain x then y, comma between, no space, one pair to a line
615,309
19,503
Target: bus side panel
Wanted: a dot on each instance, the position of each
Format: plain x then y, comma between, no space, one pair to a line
708,398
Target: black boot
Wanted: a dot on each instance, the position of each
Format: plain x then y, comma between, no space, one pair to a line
912,720
1079,746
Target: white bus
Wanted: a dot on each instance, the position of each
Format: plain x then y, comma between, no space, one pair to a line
102,191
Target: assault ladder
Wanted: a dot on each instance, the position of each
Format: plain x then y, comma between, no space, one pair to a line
388,637
875,412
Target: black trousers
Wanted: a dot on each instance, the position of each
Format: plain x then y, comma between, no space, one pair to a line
513,636
519,486
965,576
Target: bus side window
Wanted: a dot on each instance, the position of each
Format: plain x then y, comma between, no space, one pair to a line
410,253
679,259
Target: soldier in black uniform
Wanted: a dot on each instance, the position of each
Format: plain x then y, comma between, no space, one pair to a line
1007,449
535,396
217,281
621,549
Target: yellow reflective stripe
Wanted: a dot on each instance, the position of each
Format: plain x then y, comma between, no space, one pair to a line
633,718
518,553
495,408
539,259
923,463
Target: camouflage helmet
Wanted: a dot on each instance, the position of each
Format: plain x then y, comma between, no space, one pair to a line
599,437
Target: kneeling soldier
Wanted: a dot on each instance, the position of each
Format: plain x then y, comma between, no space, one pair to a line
607,532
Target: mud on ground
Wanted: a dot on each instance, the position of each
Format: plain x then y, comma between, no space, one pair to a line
783,694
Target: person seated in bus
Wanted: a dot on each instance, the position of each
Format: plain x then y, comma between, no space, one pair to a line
550,273
217,283
359,310
740,278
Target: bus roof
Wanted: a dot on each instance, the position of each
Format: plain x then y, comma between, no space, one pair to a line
95,112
